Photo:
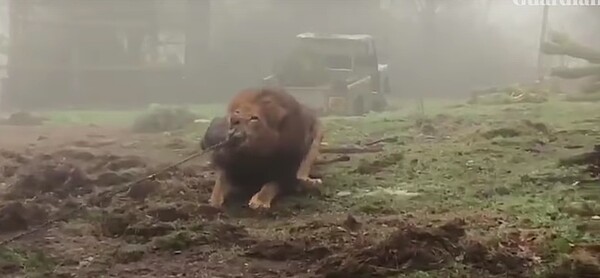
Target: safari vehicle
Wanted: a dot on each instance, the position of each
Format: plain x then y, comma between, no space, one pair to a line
334,74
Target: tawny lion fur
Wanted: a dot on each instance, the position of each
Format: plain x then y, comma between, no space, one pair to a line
281,140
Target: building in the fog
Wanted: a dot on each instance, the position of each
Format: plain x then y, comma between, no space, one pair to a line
3,44
97,53
3,36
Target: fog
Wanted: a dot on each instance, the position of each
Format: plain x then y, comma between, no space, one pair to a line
123,53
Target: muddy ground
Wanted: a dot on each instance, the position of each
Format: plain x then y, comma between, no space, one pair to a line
163,227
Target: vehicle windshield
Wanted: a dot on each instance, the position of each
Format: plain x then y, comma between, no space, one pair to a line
338,61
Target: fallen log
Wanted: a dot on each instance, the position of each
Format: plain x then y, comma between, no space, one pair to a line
588,158
351,150
392,139
561,44
575,73
330,161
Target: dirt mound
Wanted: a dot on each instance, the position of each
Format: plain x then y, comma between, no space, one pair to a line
412,248
15,216
13,156
67,172
23,119
409,247
59,179
53,179
521,128
584,261
589,159
347,250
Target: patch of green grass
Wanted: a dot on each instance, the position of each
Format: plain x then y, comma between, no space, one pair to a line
93,117
449,168
120,117
460,170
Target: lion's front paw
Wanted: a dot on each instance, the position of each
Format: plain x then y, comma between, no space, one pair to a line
216,203
309,185
257,203
314,182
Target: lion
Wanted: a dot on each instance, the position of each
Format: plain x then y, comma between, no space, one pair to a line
277,143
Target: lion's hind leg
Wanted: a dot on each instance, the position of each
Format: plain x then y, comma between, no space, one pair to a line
309,160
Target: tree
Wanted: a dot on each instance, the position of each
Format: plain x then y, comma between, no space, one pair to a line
561,44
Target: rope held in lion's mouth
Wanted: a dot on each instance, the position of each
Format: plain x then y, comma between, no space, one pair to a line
235,137
111,193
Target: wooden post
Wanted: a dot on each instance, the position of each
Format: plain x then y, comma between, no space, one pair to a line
421,106
544,28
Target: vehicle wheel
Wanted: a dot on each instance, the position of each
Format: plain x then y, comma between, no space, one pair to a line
379,103
386,86
358,107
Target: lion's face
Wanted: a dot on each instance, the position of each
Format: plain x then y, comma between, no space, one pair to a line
250,124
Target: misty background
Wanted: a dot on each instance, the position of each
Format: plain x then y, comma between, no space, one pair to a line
107,53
